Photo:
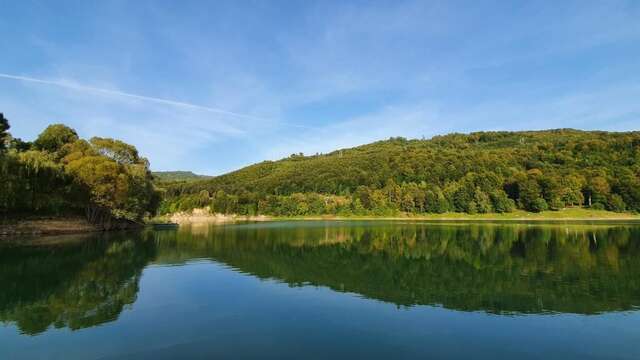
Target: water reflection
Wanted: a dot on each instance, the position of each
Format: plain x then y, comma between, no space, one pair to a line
74,282
494,268
79,282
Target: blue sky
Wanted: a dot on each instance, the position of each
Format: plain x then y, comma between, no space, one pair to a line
211,86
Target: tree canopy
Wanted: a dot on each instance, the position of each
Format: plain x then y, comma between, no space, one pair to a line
60,173
4,134
473,173
54,137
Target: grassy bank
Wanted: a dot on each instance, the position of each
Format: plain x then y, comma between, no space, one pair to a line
68,225
518,215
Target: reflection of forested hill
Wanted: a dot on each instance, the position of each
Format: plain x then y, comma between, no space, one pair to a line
498,269
73,284
492,268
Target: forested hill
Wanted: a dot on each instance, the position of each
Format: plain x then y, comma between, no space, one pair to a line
478,172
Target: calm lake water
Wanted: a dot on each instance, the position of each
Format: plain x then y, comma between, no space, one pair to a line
325,290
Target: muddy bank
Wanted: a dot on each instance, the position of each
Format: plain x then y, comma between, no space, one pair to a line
54,226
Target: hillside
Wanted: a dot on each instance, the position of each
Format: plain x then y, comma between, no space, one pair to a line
473,173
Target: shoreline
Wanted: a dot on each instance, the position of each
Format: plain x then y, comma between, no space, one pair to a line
203,216
460,220
63,225
78,225
566,215
47,226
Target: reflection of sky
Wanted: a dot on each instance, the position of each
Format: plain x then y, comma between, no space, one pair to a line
203,308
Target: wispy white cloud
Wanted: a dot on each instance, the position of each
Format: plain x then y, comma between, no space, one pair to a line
79,87
349,73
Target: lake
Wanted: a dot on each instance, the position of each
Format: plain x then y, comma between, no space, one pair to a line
325,289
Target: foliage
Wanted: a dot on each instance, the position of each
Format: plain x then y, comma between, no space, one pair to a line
54,137
474,173
60,173
169,176
4,134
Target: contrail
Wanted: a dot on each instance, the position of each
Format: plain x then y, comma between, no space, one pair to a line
129,95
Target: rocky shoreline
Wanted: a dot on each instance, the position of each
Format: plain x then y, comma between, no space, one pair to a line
204,215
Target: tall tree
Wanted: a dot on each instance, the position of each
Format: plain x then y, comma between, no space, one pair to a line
4,132
54,137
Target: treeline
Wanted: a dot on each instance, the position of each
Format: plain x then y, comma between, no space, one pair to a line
169,176
61,174
475,173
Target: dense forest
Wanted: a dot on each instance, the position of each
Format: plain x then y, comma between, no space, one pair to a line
61,174
480,172
485,172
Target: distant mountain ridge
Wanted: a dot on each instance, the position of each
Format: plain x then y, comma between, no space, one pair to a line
167,176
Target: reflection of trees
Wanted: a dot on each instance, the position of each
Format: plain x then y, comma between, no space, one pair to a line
500,269
73,284
497,269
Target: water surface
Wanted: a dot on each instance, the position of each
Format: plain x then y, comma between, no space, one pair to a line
325,289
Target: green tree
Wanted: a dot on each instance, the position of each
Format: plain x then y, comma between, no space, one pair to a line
61,174
4,132
482,201
363,194
117,190
597,190
116,150
54,137
552,191
203,198
379,202
627,185
394,194
436,202
18,145
616,203
220,202
408,203
501,202
530,196
357,207
572,189
538,205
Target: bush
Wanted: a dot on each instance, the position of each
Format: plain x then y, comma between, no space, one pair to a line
616,203
539,205
556,204
501,202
